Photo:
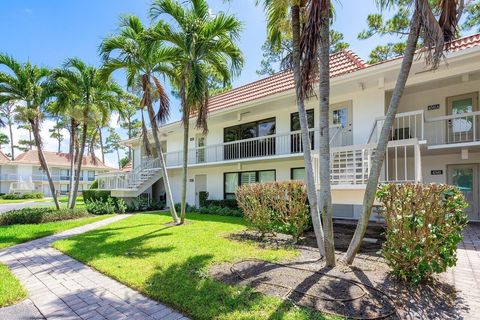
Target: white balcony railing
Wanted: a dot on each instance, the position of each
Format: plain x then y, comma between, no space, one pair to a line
259,147
407,125
451,129
39,177
351,165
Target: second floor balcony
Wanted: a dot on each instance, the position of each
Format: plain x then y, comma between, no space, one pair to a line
40,177
275,145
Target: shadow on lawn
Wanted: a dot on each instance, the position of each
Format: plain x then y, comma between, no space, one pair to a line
89,246
186,287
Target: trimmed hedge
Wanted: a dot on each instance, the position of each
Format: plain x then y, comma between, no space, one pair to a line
19,196
424,224
94,194
227,203
40,215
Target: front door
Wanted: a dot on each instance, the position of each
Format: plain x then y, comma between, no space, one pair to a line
462,128
200,185
465,177
341,115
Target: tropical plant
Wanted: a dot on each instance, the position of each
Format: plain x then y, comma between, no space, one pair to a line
56,133
201,44
26,84
7,117
315,47
435,33
283,24
128,122
112,144
144,61
96,97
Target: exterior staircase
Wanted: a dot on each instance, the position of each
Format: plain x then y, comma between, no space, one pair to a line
132,184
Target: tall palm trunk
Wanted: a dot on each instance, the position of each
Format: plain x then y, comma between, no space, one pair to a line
72,159
166,181
11,140
326,208
302,115
101,144
186,125
79,161
118,160
379,157
43,162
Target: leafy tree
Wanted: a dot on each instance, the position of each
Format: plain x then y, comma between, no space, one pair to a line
202,45
144,61
128,121
56,133
26,84
3,139
275,56
472,19
433,33
112,144
24,145
7,117
124,161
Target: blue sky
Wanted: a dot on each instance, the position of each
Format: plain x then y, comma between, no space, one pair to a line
49,31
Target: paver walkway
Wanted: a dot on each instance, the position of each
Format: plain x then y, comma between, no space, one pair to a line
465,276
63,288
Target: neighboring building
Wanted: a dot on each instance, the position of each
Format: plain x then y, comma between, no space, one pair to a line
253,133
24,172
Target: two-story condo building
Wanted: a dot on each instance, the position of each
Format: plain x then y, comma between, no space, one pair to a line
254,133
24,173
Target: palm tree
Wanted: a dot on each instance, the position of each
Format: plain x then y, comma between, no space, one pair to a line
434,33
278,14
315,51
202,44
26,84
145,60
7,113
97,97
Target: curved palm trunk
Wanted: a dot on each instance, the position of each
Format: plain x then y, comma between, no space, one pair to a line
72,160
377,163
43,161
101,144
302,115
326,209
11,140
186,125
79,164
166,181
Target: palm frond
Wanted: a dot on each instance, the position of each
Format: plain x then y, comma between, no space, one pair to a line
163,113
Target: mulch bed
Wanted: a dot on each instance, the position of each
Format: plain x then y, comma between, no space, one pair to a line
306,280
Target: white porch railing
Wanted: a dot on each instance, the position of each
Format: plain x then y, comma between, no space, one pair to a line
351,165
407,125
259,147
450,129
129,180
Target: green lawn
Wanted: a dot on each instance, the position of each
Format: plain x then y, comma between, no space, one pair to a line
170,264
4,201
10,289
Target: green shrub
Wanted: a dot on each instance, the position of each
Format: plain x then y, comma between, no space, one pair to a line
221,211
19,196
229,203
100,207
202,198
275,207
93,194
142,204
424,224
40,215
121,207
94,185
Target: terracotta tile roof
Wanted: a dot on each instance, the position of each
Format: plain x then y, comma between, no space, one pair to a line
454,46
341,63
57,159
3,158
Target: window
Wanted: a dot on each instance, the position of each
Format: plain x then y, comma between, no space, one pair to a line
64,174
296,139
64,189
91,175
234,179
250,148
297,173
